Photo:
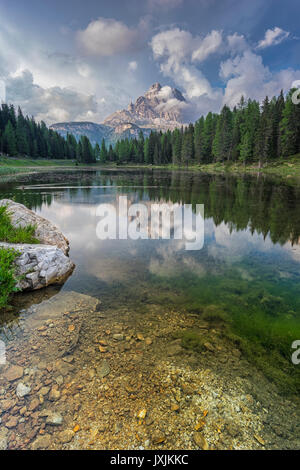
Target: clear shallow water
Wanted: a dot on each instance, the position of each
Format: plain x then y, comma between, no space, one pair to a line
246,276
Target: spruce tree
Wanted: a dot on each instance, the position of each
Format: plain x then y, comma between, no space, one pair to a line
9,140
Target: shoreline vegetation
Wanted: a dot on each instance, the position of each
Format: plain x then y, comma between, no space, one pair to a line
288,169
10,234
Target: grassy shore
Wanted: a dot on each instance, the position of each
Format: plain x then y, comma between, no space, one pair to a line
10,234
285,168
10,166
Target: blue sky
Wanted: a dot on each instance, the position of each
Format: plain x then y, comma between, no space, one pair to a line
74,60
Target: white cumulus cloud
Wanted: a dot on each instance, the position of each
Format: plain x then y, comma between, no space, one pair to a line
107,37
246,75
181,57
49,104
178,52
273,37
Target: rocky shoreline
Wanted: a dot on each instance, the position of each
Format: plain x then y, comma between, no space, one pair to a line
38,265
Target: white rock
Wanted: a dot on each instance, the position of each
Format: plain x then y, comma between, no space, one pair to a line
54,419
22,390
57,265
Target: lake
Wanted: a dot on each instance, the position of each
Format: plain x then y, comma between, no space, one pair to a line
205,330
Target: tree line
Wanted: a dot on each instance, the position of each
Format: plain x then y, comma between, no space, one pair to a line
248,133
21,136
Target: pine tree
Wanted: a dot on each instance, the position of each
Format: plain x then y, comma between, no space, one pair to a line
198,140
187,148
177,143
290,128
103,152
9,140
264,134
86,151
222,143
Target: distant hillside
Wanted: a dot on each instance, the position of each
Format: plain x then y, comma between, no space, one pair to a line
97,132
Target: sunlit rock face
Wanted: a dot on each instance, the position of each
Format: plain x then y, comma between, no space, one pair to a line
39,266
46,232
159,108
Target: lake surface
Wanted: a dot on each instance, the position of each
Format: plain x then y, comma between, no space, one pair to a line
245,281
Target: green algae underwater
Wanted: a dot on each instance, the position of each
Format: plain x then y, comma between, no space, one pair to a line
246,278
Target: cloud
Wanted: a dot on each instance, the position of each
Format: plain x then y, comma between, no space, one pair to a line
236,43
49,104
247,75
181,56
178,52
273,37
106,37
170,104
209,45
179,46
132,66
71,77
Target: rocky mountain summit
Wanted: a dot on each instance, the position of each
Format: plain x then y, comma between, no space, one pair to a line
160,108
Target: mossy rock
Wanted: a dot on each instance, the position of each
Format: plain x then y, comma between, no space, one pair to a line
192,340
215,314
272,305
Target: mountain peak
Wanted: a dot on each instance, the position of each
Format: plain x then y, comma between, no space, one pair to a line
155,87
159,108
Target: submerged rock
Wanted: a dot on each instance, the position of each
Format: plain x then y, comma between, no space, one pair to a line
22,390
42,442
13,373
104,369
3,439
54,419
66,436
58,342
200,441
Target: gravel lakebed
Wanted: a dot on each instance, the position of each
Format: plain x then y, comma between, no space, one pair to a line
79,376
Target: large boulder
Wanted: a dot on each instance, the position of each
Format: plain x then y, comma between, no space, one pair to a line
39,266
46,232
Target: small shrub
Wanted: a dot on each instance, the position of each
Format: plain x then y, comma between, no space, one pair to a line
7,275
11,234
